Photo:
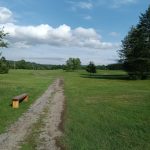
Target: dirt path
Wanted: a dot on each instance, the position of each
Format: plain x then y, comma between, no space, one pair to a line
52,101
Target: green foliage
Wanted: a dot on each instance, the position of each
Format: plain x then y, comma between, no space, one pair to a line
2,36
91,68
4,68
3,63
73,64
135,52
117,66
22,64
101,67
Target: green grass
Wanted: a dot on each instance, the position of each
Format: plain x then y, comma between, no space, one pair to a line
15,83
106,113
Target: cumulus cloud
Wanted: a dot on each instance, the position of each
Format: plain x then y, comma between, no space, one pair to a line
62,36
85,5
44,34
5,15
80,5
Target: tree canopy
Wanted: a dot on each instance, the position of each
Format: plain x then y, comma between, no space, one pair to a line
3,63
91,68
135,52
73,64
3,43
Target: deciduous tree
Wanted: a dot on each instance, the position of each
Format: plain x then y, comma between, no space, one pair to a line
73,64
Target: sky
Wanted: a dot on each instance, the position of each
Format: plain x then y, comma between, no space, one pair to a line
51,31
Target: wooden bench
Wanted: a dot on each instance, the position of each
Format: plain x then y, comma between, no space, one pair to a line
18,99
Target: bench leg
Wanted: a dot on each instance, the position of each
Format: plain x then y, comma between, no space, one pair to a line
15,104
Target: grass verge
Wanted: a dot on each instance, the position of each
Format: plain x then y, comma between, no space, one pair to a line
106,112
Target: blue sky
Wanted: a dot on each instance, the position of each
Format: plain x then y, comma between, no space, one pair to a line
51,31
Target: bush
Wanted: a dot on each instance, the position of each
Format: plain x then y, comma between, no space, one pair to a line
91,68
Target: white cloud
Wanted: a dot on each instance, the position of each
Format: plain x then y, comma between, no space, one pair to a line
126,1
114,3
85,5
119,3
42,43
5,15
20,45
62,36
80,5
114,34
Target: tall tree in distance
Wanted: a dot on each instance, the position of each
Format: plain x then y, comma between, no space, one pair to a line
135,52
73,64
91,68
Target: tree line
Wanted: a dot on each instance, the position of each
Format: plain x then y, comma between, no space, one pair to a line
22,64
72,64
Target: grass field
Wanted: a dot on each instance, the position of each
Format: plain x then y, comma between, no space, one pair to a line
17,82
107,113
104,111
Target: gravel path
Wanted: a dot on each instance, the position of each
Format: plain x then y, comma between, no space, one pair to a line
53,101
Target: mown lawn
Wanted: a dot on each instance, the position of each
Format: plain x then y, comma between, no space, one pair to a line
15,83
106,112
103,111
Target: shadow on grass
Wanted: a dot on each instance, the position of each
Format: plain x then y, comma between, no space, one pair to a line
111,77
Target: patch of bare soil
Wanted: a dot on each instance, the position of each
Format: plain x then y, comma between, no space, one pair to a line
50,130
51,104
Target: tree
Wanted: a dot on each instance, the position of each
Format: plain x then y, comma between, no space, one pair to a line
117,66
2,36
135,52
3,63
73,64
21,64
91,68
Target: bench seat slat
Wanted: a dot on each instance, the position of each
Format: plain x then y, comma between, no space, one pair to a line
19,97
